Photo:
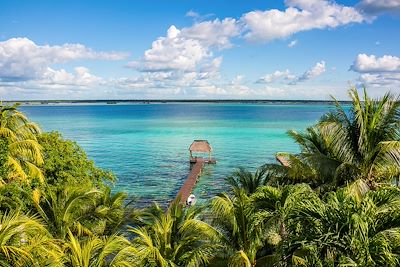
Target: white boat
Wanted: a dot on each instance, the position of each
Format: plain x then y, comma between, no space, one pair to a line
191,200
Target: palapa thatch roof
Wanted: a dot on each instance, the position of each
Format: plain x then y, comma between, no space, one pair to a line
283,159
200,146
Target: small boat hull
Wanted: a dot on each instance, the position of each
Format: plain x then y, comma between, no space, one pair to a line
191,200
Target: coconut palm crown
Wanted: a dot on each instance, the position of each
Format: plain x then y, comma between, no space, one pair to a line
350,142
176,237
24,154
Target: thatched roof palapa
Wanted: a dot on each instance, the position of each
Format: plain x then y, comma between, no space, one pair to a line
200,146
283,159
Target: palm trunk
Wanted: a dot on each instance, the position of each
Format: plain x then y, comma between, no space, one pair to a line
283,234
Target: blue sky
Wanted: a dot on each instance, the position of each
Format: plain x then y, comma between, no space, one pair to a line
293,49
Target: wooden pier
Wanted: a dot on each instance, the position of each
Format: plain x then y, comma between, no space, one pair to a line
197,164
193,177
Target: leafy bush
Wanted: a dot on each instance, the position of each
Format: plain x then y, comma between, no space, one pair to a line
65,163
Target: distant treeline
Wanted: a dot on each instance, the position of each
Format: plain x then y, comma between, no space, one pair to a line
158,101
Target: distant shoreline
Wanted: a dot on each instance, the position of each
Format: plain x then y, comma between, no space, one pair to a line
159,101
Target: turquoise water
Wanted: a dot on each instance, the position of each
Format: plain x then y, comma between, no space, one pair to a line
146,145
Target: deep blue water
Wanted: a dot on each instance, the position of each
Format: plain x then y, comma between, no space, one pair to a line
146,145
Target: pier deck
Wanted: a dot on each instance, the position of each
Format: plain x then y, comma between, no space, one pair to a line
192,178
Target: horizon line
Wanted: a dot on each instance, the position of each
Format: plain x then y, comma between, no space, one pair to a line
115,101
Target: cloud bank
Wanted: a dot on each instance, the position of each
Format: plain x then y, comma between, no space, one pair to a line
291,79
376,71
187,61
301,15
22,59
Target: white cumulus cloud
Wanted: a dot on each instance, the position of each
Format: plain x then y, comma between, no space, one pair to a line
22,59
272,77
391,80
172,52
289,78
376,71
215,33
314,72
187,61
370,63
301,15
189,48
60,84
81,77
188,56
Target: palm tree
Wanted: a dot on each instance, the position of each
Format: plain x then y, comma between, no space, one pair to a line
66,209
24,241
273,207
249,182
316,153
315,165
240,227
174,238
23,150
97,251
362,141
366,141
351,227
108,212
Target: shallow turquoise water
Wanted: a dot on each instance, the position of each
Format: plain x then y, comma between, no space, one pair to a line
146,145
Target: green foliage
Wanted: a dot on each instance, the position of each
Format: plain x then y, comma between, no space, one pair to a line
249,182
329,207
239,227
174,238
16,196
367,141
96,251
23,153
3,158
110,211
67,209
81,210
24,241
65,163
351,226
361,143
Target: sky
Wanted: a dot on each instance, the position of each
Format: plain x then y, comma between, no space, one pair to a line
192,49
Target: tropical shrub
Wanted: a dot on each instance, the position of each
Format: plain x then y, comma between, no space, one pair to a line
65,163
242,179
351,227
242,235
361,141
87,251
176,237
24,241
24,155
332,206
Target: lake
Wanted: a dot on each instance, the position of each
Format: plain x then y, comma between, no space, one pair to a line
146,145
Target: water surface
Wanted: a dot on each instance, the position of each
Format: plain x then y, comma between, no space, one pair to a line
146,145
